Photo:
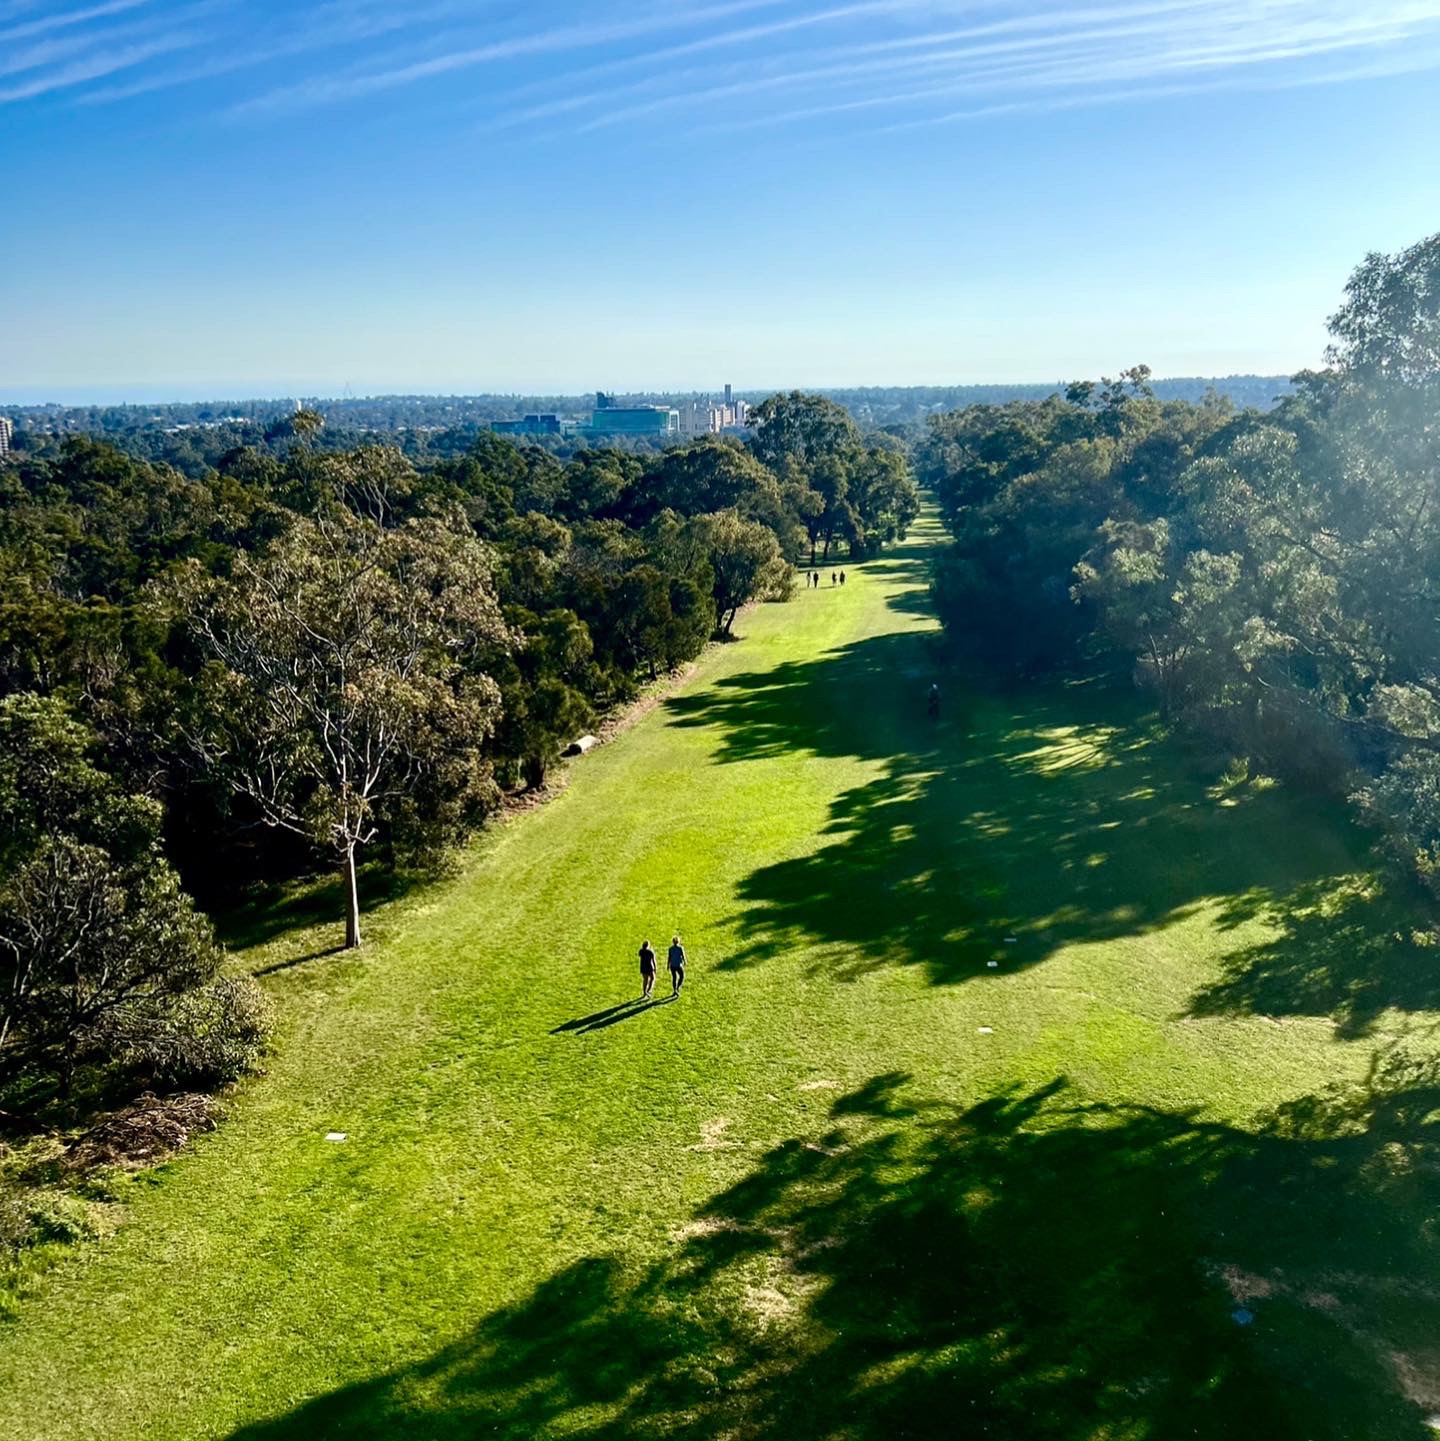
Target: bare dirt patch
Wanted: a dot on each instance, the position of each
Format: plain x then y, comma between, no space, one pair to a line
712,1136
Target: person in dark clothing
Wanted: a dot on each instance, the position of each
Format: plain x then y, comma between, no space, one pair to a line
832,577
647,970
842,577
677,965
934,704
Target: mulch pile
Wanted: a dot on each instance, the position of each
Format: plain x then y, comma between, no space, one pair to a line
145,1133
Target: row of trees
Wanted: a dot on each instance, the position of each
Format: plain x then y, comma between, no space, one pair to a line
307,657
1275,577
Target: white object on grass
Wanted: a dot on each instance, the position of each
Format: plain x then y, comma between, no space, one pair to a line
985,1030
1010,940
335,1135
992,964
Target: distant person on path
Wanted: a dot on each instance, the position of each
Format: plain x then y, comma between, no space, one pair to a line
647,970
832,577
677,965
934,704
842,577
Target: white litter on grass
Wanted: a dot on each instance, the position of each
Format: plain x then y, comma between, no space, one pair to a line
992,964
1011,940
985,1030
334,1135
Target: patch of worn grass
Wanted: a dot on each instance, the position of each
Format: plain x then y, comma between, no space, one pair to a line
857,1180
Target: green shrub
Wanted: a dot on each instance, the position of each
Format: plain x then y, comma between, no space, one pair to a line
16,1227
205,1038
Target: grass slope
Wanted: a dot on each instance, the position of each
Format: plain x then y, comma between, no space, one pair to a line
816,1197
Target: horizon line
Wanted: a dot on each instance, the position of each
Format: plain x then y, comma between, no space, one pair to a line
104,395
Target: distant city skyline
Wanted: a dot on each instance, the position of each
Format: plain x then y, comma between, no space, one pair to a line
581,401
216,199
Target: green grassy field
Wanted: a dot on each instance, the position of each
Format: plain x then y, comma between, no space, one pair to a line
858,1181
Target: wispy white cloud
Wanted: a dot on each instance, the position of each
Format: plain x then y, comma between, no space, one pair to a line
937,51
95,65
589,35
702,64
16,59
66,19
1041,50
330,28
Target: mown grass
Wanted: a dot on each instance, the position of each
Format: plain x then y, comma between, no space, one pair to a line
858,1181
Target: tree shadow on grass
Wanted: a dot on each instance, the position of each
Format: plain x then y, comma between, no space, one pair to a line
1040,818
1030,1267
275,967
1350,949
269,911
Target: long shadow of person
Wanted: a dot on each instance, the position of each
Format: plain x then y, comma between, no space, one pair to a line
612,1016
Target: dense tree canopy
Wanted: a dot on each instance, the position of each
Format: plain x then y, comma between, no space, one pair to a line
302,651
1275,578
104,961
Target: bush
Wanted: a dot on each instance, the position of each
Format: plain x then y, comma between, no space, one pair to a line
207,1037
16,1228
1404,803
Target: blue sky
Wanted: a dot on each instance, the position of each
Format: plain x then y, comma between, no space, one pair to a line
227,197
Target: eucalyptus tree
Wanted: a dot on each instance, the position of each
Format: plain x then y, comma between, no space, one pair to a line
346,683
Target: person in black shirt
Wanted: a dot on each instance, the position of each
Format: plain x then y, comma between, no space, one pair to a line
677,965
647,970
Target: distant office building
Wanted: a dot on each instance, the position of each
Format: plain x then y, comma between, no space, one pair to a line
656,421
7,433
529,425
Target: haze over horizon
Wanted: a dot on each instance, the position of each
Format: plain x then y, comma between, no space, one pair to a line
227,198
193,394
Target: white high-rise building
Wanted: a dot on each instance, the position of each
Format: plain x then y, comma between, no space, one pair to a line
703,416
7,432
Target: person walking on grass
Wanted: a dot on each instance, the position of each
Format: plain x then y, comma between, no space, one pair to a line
677,965
842,577
647,970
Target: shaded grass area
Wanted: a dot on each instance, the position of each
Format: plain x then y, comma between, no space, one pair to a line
1029,1266
270,912
858,1181
1025,823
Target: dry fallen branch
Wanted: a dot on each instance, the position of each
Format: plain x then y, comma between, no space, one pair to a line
145,1133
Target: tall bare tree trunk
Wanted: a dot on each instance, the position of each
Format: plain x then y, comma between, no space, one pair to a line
352,901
